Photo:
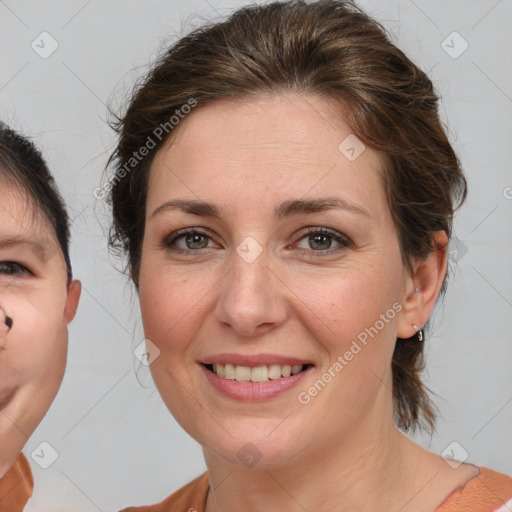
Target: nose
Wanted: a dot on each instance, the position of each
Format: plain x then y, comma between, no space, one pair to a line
252,300
5,326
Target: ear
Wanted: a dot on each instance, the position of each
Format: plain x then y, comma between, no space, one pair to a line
422,287
74,291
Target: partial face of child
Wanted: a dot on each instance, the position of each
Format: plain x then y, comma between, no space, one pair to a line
36,305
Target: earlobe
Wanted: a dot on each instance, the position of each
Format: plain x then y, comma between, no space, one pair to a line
423,287
72,299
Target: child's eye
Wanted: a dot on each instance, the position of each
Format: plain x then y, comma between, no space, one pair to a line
11,268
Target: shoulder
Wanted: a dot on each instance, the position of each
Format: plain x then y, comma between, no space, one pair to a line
190,498
490,491
16,486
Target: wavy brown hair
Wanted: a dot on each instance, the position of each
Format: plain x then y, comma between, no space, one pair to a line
329,48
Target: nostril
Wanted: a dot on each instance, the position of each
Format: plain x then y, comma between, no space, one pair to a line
5,318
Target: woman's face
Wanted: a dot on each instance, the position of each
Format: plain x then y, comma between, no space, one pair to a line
35,296
272,273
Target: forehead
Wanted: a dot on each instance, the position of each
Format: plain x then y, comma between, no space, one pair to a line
19,215
289,143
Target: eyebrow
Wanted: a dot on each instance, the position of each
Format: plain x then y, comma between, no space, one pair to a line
37,246
9,241
285,209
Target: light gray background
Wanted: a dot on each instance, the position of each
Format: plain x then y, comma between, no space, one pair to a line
117,443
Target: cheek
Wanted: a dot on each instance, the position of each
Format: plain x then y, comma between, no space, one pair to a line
38,342
353,317
348,301
171,301
35,364
47,345
172,315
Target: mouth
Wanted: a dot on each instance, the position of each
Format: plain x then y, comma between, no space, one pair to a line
263,373
254,378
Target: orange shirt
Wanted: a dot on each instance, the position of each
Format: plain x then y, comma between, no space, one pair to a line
16,486
488,492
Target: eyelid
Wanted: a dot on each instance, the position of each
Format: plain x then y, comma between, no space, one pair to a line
324,230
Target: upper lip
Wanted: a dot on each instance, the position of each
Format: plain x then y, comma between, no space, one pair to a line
253,360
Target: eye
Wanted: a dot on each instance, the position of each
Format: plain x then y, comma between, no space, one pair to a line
187,240
11,268
320,240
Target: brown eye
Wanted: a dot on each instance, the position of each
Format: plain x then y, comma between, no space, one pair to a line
196,241
189,240
11,268
321,240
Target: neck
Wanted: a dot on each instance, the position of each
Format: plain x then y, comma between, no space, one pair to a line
367,470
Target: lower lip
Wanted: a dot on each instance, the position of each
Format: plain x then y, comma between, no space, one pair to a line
6,398
253,390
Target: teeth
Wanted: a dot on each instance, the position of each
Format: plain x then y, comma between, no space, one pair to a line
286,370
256,373
259,374
296,368
219,370
229,371
242,373
274,371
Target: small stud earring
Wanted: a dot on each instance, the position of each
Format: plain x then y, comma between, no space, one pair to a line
419,332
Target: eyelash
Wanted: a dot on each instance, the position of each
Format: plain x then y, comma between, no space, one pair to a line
170,240
19,269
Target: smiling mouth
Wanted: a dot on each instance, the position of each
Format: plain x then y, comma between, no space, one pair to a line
262,373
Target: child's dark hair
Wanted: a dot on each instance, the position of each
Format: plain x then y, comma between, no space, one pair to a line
22,164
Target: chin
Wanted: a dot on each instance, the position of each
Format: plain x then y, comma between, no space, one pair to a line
253,442
256,453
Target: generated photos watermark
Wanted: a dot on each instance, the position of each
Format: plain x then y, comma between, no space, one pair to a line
305,397
157,135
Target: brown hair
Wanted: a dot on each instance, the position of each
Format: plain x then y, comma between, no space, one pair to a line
329,48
